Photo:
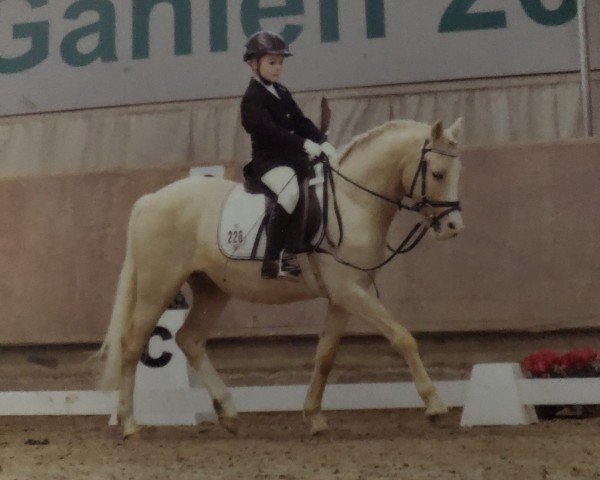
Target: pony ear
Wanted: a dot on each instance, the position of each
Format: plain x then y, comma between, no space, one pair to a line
456,129
437,130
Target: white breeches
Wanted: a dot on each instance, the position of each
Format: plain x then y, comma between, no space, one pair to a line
283,182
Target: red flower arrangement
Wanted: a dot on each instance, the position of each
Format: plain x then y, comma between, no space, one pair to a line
576,363
544,363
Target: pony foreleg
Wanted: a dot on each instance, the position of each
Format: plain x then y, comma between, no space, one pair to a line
222,400
207,305
329,340
218,391
359,302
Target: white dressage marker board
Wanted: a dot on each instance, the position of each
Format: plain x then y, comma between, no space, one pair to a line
497,394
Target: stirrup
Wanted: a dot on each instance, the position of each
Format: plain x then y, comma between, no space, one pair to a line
270,269
288,265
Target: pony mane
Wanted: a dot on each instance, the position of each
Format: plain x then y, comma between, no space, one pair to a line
369,136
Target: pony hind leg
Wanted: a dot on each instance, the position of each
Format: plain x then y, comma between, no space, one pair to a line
329,340
155,289
146,313
208,302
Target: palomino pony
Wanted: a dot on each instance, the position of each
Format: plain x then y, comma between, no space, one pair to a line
172,239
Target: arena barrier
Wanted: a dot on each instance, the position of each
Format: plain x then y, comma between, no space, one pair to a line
166,394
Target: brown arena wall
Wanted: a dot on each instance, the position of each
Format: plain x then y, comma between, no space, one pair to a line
62,244
528,259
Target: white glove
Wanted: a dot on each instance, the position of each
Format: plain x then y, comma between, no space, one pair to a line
312,149
328,149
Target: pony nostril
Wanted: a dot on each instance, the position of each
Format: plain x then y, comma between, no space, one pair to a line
451,226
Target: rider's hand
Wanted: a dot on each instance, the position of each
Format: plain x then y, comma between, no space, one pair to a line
312,149
328,149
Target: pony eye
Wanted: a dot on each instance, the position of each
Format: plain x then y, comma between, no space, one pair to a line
438,175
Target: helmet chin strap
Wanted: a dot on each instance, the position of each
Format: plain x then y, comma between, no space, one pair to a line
259,75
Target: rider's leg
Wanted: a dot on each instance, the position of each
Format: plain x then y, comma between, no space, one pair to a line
276,235
283,182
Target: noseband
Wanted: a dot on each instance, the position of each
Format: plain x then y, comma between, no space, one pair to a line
412,239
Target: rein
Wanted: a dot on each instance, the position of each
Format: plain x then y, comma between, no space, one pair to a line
414,236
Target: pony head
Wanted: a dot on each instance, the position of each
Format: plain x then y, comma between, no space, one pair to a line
433,184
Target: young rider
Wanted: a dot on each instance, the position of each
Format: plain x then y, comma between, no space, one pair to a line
283,142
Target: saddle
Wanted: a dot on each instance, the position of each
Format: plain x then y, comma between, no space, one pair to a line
242,225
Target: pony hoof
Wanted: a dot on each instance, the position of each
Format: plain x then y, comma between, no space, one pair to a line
436,408
130,429
231,424
318,424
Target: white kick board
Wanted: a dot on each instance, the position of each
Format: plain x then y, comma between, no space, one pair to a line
575,391
247,399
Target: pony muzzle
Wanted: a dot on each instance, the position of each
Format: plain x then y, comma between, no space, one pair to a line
448,226
446,221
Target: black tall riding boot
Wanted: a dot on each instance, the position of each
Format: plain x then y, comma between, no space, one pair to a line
278,263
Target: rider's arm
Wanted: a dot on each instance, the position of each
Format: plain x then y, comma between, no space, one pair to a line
305,126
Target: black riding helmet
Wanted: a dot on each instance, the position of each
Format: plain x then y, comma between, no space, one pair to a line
266,43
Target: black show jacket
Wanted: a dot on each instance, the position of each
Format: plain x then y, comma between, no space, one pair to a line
277,128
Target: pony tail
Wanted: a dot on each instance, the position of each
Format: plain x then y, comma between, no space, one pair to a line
124,301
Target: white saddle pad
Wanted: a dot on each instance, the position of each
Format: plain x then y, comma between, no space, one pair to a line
241,217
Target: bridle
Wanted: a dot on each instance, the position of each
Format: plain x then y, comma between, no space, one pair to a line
424,202
417,232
